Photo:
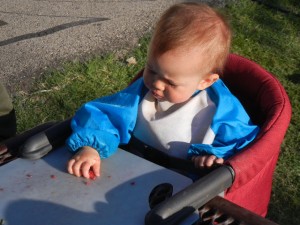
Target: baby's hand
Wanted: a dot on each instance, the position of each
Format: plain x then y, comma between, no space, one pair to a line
206,161
83,161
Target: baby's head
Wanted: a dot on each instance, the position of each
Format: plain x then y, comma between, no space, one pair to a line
188,50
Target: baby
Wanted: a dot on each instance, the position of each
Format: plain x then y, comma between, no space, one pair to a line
180,106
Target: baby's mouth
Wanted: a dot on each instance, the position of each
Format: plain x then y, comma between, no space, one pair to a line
156,95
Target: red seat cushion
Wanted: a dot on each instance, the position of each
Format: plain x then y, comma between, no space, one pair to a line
268,105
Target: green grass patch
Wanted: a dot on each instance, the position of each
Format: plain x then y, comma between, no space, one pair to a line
264,34
61,92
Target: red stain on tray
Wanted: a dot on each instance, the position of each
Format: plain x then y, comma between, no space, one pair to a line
87,183
53,176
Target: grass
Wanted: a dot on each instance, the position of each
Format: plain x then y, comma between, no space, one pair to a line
263,32
60,92
286,6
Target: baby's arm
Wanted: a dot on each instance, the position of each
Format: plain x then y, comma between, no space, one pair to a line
206,160
85,159
102,124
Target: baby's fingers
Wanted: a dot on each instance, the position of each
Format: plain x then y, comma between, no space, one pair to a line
85,168
198,161
210,160
96,169
219,161
77,168
70,166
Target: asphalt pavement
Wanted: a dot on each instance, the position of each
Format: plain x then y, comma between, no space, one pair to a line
40,34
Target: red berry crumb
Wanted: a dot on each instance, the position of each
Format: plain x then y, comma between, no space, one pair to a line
92,175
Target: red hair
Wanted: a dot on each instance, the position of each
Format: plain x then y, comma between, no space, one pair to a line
189,25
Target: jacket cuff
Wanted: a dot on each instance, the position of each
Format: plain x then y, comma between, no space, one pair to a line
105,143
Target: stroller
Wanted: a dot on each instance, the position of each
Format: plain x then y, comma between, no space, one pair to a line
245,178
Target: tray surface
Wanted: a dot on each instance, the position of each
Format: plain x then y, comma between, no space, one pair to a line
41,192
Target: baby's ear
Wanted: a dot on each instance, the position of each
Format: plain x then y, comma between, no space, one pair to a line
208,81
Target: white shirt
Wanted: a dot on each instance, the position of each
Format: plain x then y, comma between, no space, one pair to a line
171,128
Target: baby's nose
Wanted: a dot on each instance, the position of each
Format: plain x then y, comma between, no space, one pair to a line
158,85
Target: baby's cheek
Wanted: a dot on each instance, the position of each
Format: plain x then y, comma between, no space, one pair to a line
178,97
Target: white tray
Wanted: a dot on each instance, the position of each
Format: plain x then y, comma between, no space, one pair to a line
41,192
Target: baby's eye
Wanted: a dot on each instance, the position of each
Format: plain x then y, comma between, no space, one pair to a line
172,84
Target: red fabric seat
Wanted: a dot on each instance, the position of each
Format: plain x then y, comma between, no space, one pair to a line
268,105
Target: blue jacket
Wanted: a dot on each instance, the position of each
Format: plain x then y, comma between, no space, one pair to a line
107,122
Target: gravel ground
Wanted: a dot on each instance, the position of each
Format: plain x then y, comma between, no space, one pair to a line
40,34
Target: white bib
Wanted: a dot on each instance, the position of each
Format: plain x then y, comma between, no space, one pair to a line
171,128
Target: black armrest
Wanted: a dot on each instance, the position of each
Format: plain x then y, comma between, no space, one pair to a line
185,202
13,144
43,142
9,148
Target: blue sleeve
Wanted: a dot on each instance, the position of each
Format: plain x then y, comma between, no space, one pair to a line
231,124
106,122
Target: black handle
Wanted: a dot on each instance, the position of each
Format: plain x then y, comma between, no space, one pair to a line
185,202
